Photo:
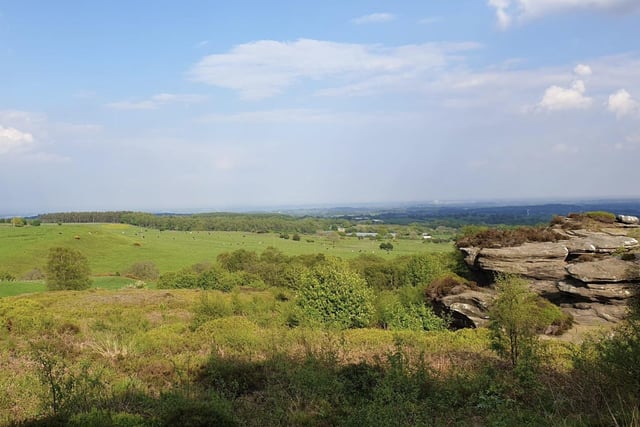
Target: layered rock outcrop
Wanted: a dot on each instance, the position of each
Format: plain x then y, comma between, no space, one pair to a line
588,273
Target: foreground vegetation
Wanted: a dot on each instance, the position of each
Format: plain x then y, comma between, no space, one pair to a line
281,336
157,357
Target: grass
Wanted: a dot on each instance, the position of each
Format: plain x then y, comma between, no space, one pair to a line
17,288
157,357
149,338
113,248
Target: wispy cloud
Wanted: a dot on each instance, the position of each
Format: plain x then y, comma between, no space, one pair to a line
430,20
266,68
374,18
509,11
156,101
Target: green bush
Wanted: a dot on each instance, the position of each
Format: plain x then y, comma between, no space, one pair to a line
331,293
67,269
397,313
425,268
144,270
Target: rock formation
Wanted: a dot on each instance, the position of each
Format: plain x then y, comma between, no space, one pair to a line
589,272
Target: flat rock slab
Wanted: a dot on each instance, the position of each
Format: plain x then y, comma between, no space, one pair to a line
596,242
611,270
535,260
599,292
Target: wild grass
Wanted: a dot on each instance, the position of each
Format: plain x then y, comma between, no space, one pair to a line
159,357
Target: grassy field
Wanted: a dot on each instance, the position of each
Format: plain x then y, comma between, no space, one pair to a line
25,287
112,248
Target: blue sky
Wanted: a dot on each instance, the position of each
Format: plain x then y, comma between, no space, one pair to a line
206,105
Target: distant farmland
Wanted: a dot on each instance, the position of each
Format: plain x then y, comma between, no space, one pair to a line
112,248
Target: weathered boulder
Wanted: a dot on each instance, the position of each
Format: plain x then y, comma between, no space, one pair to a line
470,307
610,270
544,260
628,219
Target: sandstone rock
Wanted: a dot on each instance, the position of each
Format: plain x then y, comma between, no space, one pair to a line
599,242
470,255
598,292
628,219
471,304
595,292
535,260
582,306
610,270
613,291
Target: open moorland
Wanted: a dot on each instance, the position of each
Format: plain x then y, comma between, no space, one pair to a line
201,328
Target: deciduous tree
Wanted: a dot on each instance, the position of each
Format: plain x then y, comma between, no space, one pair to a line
67,269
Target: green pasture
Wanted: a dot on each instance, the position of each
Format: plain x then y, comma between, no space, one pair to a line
112,248
25,287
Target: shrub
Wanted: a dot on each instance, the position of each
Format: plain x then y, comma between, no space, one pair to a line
333,294
602,216
395,314
67,269
507,237
425,268
443,285
144,270
295,237
183,279
386,246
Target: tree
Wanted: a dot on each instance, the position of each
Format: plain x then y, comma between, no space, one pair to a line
386,246
67,269
515,320
18,222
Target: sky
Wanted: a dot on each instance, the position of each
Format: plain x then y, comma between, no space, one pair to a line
212,105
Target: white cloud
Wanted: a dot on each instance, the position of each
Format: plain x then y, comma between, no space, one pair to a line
156,102
265,68
374,18
622,104
12,139
558,98
501,6
508,11
582,70
572,98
